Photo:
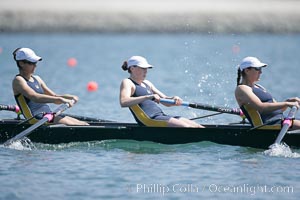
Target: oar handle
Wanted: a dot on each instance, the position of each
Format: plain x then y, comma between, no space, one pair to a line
57,111
286,124
289,119
292,113
235,111
13,108
172,101
62,108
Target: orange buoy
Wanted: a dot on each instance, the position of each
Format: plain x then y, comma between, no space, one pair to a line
92,86
72,62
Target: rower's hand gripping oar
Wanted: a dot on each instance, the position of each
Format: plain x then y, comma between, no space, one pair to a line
286,124
47,118
235,111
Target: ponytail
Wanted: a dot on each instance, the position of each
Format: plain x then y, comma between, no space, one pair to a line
125,67
15,53
239,75
15,56
238,81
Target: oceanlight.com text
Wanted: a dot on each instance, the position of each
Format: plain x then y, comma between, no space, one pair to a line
164,189
250,189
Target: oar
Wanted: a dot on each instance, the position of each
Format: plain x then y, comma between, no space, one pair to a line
13,108
265,124
235,111
84,118
214,114
47,118
286,124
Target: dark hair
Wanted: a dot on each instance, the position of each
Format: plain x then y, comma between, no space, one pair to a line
14,56
125,67
239,75
15,53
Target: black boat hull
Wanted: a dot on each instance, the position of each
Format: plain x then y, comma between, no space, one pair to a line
239,135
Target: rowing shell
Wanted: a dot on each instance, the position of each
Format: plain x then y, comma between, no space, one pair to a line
236,134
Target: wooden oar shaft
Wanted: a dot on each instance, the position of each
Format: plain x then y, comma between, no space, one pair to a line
287,123
235,111
46,118
13,108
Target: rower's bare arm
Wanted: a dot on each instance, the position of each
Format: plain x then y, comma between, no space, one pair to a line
245,96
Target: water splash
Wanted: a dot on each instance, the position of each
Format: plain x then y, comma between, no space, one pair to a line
281,150
24,144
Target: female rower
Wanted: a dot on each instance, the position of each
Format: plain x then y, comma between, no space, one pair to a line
253,98
31,92
141,96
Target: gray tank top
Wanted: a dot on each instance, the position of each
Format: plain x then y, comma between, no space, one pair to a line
37,109
148,106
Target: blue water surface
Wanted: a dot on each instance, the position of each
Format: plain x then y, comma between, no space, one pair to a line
198,68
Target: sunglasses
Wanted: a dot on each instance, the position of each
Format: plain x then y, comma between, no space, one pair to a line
30,63
256,68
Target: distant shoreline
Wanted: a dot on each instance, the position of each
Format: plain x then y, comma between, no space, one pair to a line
169,23
139,16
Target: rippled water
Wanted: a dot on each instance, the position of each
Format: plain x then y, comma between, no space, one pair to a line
199,68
